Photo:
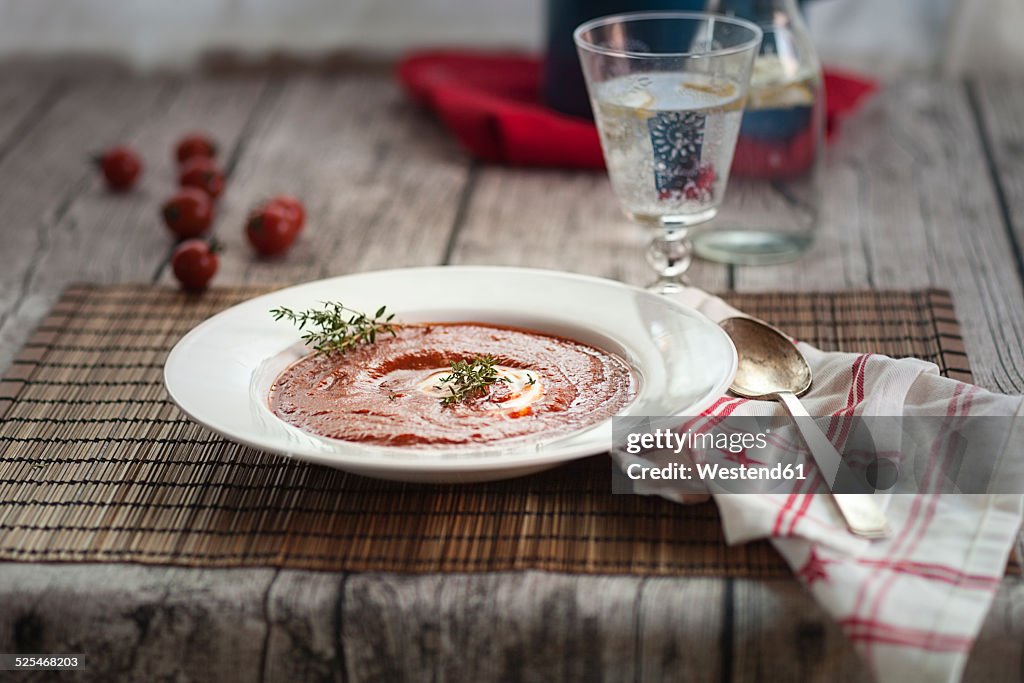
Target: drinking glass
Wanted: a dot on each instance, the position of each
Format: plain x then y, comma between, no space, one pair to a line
668,90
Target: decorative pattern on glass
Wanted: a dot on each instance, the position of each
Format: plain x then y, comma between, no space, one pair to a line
677,138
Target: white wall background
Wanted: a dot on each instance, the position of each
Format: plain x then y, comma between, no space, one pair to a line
176,32
883,36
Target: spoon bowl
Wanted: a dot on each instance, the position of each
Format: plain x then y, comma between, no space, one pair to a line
769,363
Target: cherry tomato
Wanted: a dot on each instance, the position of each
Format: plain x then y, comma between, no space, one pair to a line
194,264
195,145
270,230
293,207
121,167
188,213
203,173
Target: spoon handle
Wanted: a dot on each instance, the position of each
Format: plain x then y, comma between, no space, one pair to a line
862,515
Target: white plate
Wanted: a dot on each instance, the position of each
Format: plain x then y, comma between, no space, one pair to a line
220,373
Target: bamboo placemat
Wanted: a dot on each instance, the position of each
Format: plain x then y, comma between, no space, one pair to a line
97,465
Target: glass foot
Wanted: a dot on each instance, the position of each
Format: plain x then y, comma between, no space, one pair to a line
668,287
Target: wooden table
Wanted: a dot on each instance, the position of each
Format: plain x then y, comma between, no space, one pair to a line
925,187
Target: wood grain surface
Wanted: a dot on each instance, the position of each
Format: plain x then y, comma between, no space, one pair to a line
925,187
153,623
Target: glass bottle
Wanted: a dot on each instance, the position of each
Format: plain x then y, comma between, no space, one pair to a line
771,209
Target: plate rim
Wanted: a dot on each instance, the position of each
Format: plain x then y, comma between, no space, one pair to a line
414,460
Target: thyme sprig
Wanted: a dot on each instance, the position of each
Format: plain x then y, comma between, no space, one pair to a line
469,378
335,328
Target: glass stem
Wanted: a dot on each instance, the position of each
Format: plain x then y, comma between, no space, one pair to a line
670,253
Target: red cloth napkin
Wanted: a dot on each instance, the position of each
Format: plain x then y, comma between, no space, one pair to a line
491,104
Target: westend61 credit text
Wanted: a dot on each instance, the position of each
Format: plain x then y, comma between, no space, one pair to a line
716,472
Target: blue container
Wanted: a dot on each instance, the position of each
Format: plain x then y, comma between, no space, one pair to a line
563,88
563,85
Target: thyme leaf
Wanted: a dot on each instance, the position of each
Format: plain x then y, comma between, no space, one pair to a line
469,378
335,328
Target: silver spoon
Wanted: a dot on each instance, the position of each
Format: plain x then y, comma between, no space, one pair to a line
772,368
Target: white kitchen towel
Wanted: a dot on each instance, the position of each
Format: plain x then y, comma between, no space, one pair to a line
913,603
